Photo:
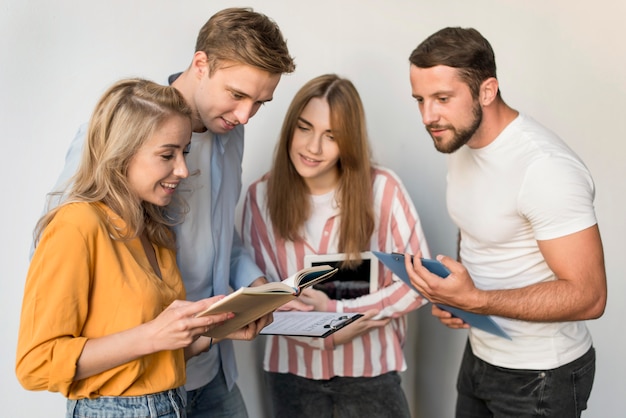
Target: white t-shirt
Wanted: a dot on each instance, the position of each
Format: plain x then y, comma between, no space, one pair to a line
323,206
527,185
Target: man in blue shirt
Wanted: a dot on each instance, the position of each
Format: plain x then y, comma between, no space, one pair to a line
239,59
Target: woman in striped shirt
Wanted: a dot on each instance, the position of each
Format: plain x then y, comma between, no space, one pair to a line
324,196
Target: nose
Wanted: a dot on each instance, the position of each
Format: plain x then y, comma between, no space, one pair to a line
314,144
180,169
429,113
244,111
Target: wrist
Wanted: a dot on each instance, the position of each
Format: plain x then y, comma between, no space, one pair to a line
329,342
331,306
258,281
480,301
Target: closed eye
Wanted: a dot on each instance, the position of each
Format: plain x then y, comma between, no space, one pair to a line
237,96
303,128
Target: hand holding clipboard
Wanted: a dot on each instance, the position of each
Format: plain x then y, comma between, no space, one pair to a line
395,263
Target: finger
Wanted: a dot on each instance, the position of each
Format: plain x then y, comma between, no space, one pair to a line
455,323
190,308
178,303
305,299
295,305
416,272
447,318
370,313
264,321
247,332
451,264
203,324
204,304
377,323
301,306
407,263
308,291
440,313
429,284
205,331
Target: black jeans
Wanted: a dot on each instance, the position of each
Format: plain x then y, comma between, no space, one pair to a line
340,397
485,390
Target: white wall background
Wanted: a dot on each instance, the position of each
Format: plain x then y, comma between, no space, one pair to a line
563,62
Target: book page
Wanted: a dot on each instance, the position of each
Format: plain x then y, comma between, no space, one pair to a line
309,276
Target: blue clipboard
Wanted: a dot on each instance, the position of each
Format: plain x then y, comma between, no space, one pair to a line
395,263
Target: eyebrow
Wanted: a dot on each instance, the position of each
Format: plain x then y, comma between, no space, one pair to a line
301,119
176,146
436,93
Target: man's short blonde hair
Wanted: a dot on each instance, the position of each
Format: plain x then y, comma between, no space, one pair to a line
247,37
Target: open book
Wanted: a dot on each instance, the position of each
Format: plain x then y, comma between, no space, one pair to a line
395,263
250,303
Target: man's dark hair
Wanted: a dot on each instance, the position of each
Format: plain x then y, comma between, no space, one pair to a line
462,48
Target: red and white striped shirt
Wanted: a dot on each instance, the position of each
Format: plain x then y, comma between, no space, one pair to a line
397,229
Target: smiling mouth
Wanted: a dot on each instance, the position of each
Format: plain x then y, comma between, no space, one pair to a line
229,123
171,186
311,160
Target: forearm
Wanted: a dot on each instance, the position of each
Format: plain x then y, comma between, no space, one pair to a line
104,353
391,301
555,301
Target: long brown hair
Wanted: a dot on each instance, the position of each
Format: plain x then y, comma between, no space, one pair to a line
290,210
125,117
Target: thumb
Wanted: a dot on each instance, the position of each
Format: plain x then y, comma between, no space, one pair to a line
370,313
301,306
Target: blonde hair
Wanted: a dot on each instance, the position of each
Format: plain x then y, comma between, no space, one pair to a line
125,117
247,37
289,211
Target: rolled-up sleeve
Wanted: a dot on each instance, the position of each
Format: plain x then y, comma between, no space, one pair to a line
54,309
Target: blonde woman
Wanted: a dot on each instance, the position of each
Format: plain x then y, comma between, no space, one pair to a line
104,320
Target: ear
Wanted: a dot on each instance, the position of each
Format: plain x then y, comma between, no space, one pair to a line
488,91
200,64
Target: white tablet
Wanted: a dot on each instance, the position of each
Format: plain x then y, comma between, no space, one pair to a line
347,283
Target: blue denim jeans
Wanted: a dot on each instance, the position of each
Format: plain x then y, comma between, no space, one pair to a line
214,400
485,390
168,404
340,397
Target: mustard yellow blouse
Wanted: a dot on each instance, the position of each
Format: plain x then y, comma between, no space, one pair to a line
83,284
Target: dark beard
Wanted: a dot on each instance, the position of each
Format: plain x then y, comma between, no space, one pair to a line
461,137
